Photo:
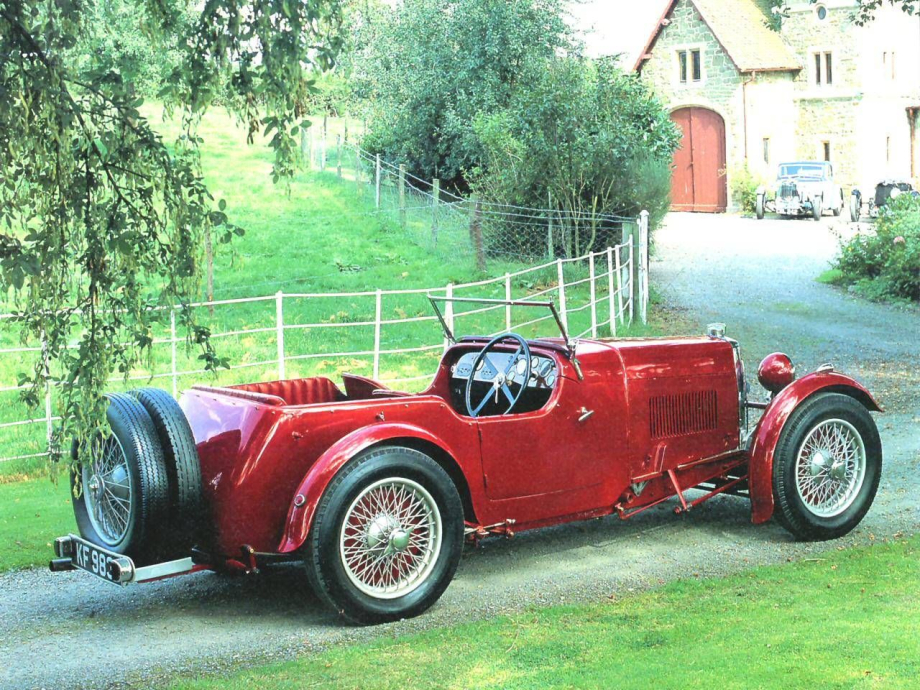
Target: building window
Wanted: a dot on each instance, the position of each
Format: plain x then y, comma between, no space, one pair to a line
826,150
690,66
766,150
824,69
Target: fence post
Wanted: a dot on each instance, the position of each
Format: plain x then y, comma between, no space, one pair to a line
449,311
338,155
619,268
593,294
632,282
279,323
304,146
563,314
436,199
378,311
549,232
312,138
172,340
611,293
476,234
507,299
46,368
322,151
402,195
377,182
357,169
643,266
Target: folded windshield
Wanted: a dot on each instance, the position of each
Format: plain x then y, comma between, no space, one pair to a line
801,170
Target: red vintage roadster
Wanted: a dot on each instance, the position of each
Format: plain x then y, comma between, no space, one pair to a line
376,490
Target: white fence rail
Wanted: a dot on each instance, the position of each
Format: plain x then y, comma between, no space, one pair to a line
607,297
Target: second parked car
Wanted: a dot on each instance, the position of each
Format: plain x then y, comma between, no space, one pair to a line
806,188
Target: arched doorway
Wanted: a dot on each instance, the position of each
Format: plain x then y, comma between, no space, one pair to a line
698,183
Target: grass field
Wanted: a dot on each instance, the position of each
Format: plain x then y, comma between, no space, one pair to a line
849,619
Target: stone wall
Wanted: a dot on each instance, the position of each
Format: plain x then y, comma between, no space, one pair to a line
835,121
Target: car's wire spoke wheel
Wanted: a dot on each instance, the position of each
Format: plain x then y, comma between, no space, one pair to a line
830,467
108,490
390,538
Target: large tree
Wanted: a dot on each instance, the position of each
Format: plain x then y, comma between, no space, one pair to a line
867,8
101,221
430,66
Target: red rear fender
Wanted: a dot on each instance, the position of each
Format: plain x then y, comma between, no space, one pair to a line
311,488
770,427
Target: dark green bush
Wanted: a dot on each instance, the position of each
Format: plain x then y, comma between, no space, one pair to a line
886,263
744,185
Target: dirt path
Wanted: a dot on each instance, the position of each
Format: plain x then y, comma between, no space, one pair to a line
68,630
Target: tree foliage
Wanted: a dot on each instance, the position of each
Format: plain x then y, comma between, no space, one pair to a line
101,221
430,66
592,136
866,10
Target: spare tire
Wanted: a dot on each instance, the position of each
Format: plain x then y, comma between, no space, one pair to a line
183,470
119,483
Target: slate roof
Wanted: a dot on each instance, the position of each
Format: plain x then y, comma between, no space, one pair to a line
740,28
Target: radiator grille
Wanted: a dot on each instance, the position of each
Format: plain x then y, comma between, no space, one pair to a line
788,190
683,414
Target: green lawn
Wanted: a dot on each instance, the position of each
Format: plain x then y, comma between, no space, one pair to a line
849,619
31,515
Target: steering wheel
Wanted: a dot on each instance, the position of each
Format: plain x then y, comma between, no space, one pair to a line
502,378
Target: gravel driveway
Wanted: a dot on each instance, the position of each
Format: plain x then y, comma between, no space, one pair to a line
68,630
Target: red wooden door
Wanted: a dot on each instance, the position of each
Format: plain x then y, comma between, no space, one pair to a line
698,182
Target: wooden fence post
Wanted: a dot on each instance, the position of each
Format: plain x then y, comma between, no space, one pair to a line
322,163
377,182
357,169
476,235
338,155
402,196
611,293
592,278
549,231
563,313
643,266
508,306
378,311
279,323
435,201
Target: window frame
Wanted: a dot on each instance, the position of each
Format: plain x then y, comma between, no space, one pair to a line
688,59
822,70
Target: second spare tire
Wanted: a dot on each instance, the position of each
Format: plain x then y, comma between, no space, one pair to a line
183,471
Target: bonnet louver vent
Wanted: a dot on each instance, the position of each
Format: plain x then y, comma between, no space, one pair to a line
683,414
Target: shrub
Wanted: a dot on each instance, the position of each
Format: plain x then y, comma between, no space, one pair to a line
886,263
744,186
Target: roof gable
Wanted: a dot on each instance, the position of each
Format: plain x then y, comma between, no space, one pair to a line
740,28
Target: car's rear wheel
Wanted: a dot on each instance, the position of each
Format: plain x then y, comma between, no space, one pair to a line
838,209
817,208
183,470
119,483
760,203
827,467
855,207
386,537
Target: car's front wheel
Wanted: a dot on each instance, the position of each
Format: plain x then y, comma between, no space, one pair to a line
387,536
760,204
817,208
838,209
827,467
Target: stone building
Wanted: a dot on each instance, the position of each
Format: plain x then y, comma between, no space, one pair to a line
751,88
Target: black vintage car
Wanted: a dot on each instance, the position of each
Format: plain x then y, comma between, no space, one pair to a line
885,191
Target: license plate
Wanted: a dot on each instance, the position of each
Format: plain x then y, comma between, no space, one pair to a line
93,559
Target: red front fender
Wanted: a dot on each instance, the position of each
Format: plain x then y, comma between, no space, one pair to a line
311,488
768,431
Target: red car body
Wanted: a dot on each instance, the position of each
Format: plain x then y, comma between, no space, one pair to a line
628,424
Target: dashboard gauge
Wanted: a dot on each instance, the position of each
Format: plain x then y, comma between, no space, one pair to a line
546,369
521,366
550,380
509,378
535,363
480,365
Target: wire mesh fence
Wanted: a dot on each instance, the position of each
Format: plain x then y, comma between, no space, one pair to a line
390,335
442,221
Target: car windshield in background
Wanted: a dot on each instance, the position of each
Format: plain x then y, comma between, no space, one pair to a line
797,170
